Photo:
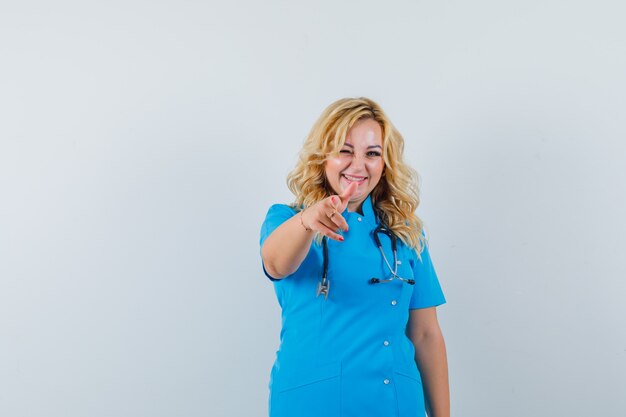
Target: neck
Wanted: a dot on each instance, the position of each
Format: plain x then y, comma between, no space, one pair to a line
358,207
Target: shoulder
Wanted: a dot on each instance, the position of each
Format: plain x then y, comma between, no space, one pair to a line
415,254
281,210
276,215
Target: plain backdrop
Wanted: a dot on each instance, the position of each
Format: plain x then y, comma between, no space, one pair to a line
142,142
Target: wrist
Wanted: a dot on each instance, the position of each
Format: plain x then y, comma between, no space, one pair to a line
308,229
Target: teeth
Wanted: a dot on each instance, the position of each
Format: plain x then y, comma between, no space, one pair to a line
354,178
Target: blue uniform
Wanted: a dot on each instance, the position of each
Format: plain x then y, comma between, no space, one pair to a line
348,355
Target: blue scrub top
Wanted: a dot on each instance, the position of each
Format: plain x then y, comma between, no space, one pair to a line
348,355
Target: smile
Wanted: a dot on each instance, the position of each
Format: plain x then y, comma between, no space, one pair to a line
354,178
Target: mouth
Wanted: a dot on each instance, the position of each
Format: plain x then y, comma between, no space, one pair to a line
354,178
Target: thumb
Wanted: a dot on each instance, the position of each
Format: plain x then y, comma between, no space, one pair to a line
347,193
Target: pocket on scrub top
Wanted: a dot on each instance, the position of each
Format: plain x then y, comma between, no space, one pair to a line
309,392
410,393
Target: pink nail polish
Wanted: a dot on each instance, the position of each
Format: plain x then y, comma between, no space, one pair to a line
341,238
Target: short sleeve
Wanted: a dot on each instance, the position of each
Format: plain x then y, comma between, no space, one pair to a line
427,290
276,215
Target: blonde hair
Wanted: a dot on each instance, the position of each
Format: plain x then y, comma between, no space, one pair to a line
396,196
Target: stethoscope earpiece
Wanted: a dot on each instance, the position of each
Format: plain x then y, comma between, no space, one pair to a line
323,287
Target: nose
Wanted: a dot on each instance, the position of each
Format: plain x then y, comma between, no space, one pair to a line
357,162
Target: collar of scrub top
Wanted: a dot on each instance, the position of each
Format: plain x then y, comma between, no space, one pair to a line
368,217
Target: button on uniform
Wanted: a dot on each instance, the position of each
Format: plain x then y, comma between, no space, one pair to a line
386,381
394,302
386,343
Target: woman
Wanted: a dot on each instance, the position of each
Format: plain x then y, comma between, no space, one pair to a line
359,334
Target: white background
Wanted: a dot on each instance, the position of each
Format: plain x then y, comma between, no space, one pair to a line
142,142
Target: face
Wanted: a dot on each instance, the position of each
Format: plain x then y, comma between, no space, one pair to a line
360,160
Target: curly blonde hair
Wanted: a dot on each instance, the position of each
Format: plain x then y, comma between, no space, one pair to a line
396,196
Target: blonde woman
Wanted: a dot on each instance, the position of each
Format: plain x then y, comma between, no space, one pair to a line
353,276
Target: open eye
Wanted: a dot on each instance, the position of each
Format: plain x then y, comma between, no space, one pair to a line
373,154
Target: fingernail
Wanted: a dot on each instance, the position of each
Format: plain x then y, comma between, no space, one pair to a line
333,200
341,238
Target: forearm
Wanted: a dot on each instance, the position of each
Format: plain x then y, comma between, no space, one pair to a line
430,356
286,247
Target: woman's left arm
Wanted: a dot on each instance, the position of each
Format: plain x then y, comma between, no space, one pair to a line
430,356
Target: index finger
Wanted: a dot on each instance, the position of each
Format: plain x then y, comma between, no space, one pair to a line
347,193
335,216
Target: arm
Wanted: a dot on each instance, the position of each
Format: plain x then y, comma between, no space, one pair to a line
286,247
430,356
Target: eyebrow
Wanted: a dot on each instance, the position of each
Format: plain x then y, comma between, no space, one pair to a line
369,147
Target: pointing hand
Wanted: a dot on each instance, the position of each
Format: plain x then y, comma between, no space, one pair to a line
325,216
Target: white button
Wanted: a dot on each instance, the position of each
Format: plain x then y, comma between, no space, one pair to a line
386,382
359,219
386,343
394,302
399,262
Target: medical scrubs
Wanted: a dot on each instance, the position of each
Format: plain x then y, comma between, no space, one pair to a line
348,355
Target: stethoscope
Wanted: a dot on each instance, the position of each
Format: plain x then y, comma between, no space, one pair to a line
323,286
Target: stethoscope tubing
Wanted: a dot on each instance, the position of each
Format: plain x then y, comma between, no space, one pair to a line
323,286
